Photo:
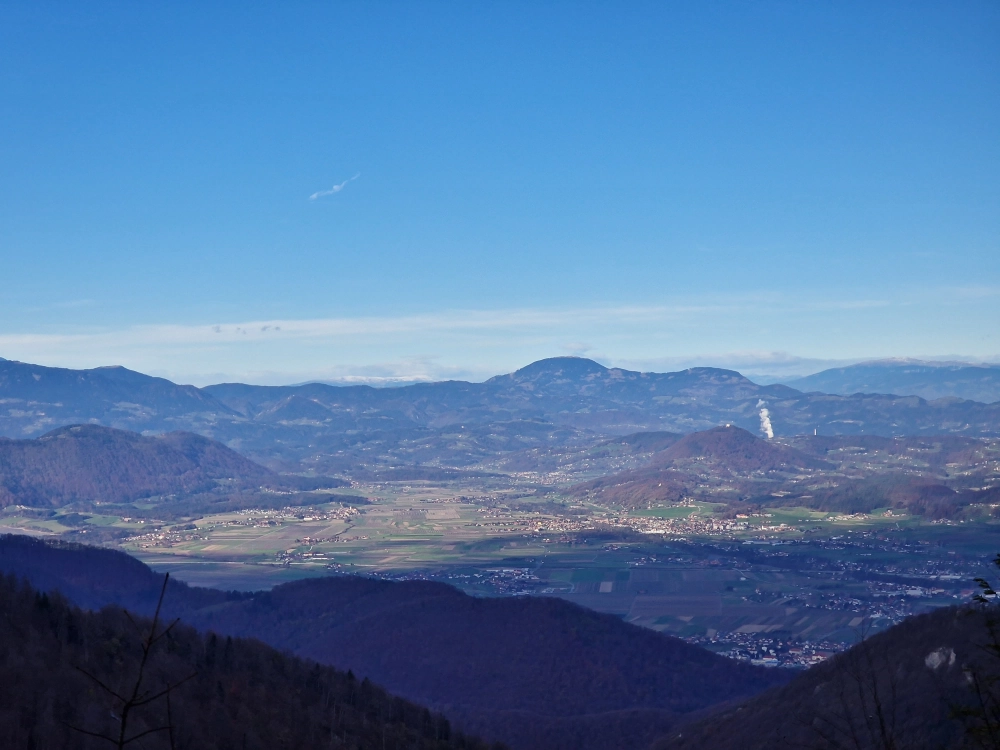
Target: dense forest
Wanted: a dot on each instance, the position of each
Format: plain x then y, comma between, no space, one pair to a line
90,463
72,679
89,467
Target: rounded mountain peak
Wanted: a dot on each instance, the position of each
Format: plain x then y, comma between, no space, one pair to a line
560,367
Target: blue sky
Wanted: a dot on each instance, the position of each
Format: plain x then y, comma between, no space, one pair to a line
766,185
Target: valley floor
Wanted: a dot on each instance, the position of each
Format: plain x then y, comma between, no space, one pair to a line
785,586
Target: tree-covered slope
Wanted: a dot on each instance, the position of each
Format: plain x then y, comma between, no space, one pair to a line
94,463
532,671
66,677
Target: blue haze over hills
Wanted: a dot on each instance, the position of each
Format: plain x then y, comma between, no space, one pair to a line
549,402
908,377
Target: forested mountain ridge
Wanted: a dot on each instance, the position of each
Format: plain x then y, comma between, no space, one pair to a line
532,671
37,399
94,463
582,394
62,670
550,402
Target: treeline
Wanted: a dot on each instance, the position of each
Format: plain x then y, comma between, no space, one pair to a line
66,674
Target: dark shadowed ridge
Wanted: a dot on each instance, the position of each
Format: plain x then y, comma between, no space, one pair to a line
535,672
58,665
918,669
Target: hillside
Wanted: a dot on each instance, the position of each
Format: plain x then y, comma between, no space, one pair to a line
737,450
94,463
534,672
901,688
37,399
677,471
908,377
229,693
849,474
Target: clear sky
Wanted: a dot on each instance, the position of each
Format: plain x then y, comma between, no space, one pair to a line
282,191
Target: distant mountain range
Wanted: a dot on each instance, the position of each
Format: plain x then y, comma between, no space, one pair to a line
908,377
548,402
532,671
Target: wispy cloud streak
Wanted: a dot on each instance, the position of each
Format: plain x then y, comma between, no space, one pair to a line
334,190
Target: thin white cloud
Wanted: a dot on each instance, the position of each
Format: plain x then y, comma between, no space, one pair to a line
768,339
334,190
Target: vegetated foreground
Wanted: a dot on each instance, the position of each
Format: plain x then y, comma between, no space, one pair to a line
534,672
66,675
932,681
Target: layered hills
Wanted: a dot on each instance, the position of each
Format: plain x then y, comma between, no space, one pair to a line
909,377
553,402
36,399
535,672
582,394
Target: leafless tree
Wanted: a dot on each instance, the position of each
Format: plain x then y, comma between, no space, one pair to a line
982,716
861,701
129,701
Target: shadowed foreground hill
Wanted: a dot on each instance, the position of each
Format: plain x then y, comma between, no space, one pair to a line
901,688
232,693
534,672
94,463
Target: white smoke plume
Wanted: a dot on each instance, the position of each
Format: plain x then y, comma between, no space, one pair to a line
765,420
